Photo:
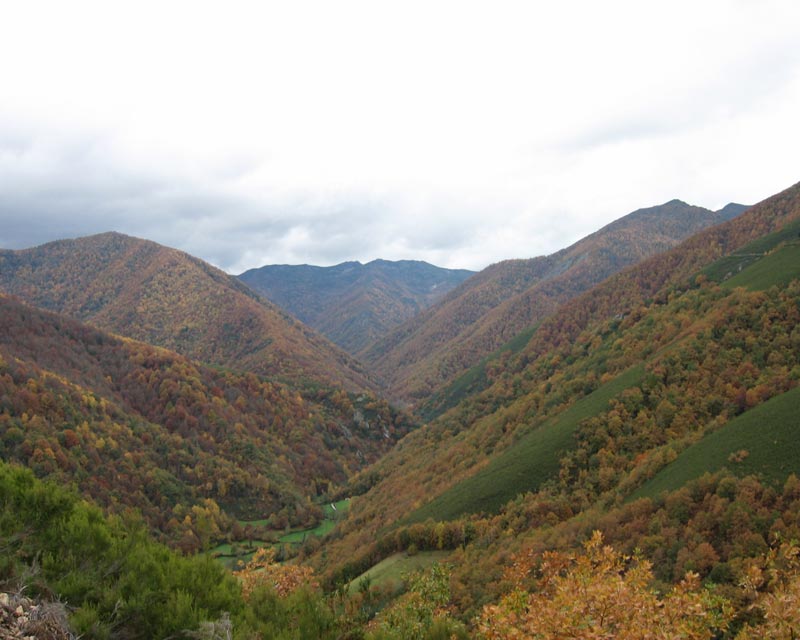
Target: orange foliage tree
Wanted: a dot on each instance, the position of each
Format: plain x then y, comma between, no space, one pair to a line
601,594
775,591
263,571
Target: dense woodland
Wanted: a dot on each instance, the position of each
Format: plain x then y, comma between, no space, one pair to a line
167,298
191,447
628,468
115,582
601,406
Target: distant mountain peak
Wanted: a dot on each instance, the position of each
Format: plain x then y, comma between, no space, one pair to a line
506,298
354,304
732,210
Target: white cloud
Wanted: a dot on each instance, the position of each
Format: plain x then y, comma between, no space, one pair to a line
458,132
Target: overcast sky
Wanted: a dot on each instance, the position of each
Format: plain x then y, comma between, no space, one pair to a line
460,133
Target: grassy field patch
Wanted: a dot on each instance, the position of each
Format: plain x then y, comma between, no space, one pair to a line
777,268
297,537
526,464
393,568
332,513
230,554
764,441
742,260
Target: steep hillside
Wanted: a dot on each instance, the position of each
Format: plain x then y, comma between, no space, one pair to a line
355,304
686,362
165,297
773,258
139,426
492,307
606,393
761,442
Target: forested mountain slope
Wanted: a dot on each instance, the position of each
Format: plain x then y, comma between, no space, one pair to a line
493,306
606,393
602,419
355,304
165,297
192,447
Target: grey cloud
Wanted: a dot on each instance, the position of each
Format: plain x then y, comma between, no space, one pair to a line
333,230
54,187
72,187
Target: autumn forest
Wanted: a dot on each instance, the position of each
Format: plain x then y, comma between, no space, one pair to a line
598,443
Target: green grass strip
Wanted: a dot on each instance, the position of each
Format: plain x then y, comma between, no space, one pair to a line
769,433
393,568
525,465
778,268
752,253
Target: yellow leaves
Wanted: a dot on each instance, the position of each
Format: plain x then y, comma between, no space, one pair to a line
780,603
738,456
263,571
602,594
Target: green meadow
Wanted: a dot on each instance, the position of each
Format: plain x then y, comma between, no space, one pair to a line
526,464
764,441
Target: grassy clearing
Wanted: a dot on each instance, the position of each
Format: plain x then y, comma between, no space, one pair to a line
297,537
729,265
769,433
230,554
332,511
527,464
392,569
778,268
751,254
789,233
341,506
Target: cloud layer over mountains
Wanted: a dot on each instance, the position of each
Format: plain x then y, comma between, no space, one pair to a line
451,132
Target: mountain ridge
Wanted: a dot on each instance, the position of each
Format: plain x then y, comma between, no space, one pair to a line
166,297
490,308
354,304
649,368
